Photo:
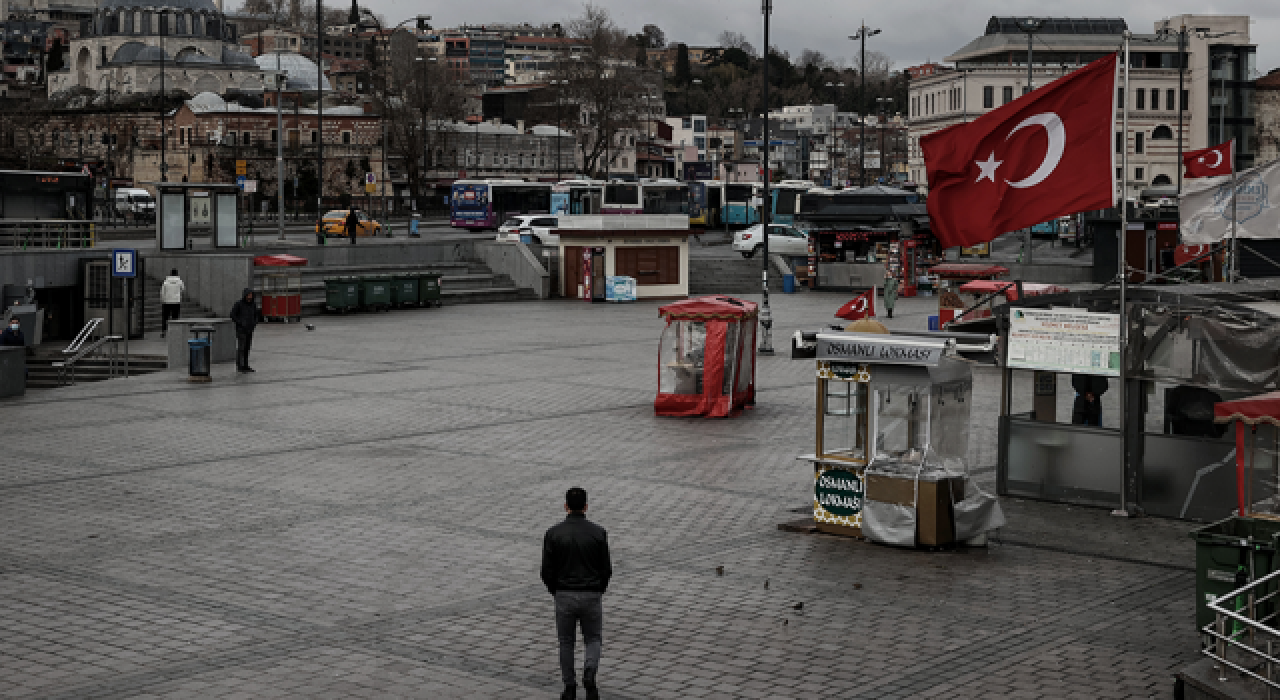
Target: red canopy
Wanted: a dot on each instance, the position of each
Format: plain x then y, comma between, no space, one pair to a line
1263,408
1185,253
280,260
1009,289
968,271
705,308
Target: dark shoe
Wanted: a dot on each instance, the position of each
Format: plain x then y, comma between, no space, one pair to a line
589,682
570,693
250,369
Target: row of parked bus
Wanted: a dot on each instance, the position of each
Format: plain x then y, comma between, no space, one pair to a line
485,204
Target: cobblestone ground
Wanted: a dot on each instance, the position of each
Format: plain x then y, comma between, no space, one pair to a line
362,518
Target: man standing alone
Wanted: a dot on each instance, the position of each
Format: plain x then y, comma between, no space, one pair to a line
352,225
576,570
170,300
244,314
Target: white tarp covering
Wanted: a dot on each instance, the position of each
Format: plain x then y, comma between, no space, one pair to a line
1205,206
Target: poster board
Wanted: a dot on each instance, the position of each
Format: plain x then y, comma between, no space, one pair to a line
1064,340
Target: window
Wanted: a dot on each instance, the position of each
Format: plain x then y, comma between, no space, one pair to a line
1155,99
1161,133
1119,98
1138,139
1006,95
988,97
1119,142
699,126
686,123
248,140
700,142
275,136
1168,99
1140,99
1119,174
1139,173
346,137
315,136
1161,180
1186,100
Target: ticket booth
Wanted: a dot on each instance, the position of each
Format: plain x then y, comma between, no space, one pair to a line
187,208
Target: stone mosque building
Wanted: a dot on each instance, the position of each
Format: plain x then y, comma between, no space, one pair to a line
124,45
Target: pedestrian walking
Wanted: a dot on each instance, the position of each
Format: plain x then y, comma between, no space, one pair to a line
171,292
576,570
244,314
890,292
353,224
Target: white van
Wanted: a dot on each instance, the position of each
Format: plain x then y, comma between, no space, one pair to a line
135,201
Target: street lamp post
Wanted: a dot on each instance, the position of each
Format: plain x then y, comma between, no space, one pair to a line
559,92
880,123
164,132
279,150
1030,25
425,102
861,35
766,316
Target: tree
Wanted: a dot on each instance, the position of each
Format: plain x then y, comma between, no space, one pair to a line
430,96
654,38
736,40
606,89
683,73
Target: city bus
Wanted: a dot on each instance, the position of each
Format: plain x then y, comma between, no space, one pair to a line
742,203
648,196
485,204
706,198
577,197
784,198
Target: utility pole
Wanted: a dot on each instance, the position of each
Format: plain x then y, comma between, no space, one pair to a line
1127,488
863,32
766,317
163,19
1030,26
279,150
320,117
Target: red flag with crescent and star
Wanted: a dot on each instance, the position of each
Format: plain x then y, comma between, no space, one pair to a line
861,306
1044,155
1208,162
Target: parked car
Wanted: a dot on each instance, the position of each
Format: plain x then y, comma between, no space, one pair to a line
784,240
335,224
135,203
540,226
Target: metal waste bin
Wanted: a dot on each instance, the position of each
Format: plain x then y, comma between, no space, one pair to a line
413,228
1229,554
429,289
342,293
200,357
375,292
404,290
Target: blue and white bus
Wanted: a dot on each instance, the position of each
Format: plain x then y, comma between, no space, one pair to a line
579,196
742,203
785,200
656,196
485,204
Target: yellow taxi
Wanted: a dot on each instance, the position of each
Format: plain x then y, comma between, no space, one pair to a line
335,224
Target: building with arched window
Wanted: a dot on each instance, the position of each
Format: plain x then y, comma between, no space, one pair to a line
127,43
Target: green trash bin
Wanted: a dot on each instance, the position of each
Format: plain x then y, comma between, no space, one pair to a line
1229,554
429,289
404,290
341,293
375,292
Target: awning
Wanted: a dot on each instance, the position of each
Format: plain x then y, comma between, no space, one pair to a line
706,308
281,260
968,271
1010,289
1254,410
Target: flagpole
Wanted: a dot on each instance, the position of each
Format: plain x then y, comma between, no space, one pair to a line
1125,491
1233,274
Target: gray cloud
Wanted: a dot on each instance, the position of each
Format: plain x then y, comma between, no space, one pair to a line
912,31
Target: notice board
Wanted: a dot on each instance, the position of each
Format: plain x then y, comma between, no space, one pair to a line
1065,340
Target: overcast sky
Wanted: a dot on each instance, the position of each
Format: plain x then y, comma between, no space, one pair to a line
912,31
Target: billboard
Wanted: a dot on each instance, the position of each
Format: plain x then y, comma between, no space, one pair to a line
698,170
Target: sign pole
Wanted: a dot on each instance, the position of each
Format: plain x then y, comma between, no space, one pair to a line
1233,274
1125,491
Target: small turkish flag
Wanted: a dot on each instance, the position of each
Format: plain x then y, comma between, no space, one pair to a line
1044,155
861,306
1208,162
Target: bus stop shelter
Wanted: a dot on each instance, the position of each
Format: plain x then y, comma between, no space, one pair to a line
183,206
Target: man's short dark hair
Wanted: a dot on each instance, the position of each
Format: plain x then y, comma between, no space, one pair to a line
174,272
576,499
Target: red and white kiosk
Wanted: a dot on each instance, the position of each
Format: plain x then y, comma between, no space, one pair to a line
707,357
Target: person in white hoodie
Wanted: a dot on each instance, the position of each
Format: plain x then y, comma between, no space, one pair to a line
171,292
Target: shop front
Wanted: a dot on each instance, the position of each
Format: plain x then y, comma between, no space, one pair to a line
657,259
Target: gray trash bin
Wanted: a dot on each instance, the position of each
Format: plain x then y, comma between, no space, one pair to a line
200,348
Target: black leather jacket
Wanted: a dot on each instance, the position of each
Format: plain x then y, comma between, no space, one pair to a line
575,556
244,313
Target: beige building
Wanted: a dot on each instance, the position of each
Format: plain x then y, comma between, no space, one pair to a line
991,71
129,42
1266,110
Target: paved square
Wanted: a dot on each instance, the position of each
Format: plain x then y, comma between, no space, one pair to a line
363,518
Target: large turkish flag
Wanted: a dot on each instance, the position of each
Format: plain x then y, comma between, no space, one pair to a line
1208,162
1044,155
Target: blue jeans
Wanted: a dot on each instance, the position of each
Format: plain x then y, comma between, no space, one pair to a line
574,608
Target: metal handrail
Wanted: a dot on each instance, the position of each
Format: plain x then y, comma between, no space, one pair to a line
84,334
113,361
1256,629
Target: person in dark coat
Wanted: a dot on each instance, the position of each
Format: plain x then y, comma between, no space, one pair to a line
1088,406
576,570
12,335
244,314
353,224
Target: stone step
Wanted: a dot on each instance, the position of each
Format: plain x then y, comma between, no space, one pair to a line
43,375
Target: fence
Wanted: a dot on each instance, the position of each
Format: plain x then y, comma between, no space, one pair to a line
46,233
1243,635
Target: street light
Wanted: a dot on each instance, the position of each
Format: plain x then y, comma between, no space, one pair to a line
766,316
279,150
861,35
880,113
559,91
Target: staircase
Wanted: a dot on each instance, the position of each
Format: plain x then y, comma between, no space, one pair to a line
151,316
42,375
461,282
735,276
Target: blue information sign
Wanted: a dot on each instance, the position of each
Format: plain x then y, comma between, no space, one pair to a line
124,263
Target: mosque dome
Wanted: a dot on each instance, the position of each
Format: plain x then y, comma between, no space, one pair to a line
300,70
152,53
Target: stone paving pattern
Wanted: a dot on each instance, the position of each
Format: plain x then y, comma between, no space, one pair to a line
363,518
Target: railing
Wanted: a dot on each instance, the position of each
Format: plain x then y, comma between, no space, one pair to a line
1243,636
114,366
82,337
46,233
